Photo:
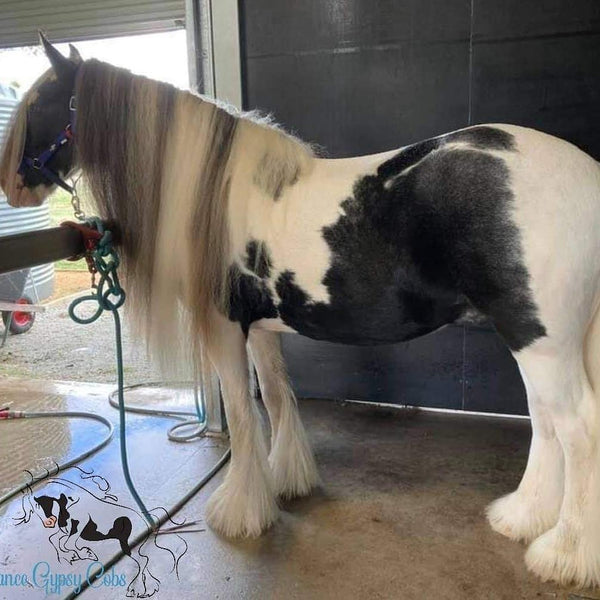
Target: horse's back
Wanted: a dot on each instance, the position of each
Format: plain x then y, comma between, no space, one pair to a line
387,247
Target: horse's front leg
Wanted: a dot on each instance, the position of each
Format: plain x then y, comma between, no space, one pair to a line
291,458
245,503
56,540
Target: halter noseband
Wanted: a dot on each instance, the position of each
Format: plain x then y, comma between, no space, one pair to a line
39,162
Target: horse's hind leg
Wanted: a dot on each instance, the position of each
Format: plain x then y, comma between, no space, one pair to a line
566,409
570,551
534,506
291,458
245,503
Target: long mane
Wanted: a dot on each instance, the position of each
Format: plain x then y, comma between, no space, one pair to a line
162,164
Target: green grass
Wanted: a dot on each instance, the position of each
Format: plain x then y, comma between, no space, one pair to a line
61,210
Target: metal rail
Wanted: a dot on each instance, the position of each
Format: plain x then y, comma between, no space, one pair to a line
33,248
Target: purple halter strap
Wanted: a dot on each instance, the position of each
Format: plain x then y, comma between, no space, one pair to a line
39,162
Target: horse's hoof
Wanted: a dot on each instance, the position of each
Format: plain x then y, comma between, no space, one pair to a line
520,519
234,514
566,557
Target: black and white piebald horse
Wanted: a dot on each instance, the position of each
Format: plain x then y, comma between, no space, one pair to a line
237,230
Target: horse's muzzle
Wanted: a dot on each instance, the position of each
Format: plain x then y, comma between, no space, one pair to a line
19,195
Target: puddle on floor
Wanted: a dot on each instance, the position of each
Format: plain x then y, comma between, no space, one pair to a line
56,533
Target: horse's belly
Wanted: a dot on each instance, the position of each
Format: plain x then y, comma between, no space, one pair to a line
363,335
381,316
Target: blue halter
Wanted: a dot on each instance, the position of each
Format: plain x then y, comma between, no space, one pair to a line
39,162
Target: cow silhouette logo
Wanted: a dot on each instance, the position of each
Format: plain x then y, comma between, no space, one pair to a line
79,518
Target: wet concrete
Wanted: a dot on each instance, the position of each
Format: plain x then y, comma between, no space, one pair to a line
400,513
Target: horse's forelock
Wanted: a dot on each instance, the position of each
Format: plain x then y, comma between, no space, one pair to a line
12,148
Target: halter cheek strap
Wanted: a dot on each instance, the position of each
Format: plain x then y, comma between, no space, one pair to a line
39,162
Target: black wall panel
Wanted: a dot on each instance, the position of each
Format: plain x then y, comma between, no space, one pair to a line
537,63
351,102
461,368
355,76
361,76
426,371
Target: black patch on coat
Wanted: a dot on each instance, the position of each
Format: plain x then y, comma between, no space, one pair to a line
435,245
258,259
74,526
249,300
482,138
46,503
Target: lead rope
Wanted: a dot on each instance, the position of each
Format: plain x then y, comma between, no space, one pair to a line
103,260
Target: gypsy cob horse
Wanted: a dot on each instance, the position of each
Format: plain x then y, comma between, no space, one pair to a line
236,230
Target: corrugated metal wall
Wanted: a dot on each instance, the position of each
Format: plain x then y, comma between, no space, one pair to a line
69,20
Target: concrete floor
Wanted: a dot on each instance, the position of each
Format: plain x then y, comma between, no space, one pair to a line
400,514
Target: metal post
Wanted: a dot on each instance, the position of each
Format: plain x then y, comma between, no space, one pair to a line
227,62
215,70
214,49
215,411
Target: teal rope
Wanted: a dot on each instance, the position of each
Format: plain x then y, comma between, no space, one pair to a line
199,423
106,262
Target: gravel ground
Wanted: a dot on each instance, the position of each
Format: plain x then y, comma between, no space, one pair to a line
58,348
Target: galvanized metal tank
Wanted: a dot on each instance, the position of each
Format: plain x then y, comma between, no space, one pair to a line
18,220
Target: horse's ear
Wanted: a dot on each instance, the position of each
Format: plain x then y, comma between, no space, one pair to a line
74,55
59,63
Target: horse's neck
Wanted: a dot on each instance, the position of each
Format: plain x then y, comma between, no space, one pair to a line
311,202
